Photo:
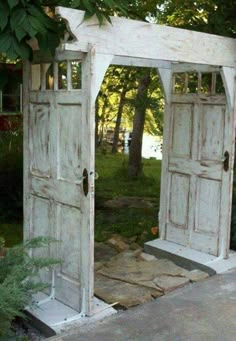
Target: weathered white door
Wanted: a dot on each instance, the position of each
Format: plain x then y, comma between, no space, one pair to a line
197,168
59,170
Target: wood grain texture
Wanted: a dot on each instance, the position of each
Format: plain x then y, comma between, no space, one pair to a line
59,147
196,203
132,38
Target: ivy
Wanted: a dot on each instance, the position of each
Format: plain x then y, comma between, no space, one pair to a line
22,20
12,3
4,14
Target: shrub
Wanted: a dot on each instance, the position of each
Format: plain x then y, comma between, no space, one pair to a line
11,177
18,279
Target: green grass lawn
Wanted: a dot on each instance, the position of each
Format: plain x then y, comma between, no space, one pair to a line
114,182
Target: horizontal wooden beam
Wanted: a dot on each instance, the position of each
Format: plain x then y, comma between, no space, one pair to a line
131,38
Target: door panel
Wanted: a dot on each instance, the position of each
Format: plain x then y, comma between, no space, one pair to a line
39,135
58,154
192,213
69,154
212,122
179,198
40,209
182,126
207,206
53,180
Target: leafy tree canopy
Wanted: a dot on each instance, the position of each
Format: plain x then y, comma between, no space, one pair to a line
210,16
22,20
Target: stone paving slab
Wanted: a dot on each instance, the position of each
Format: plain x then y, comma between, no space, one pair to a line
125,294
130,278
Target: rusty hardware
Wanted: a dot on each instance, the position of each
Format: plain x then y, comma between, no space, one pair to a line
85,182
226,161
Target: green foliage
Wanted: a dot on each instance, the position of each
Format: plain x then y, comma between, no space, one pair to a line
11,176
22,20
11,184
19,279
210,16
108,100
101,8
10,231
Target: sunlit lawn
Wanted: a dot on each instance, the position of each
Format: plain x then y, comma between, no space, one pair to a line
114,182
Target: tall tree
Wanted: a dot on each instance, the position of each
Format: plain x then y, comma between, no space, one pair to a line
126,83
142,10
141,101
118,119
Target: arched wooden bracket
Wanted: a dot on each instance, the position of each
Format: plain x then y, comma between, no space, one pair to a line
85,182
228,76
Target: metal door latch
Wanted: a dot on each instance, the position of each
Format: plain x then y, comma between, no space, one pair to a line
226,161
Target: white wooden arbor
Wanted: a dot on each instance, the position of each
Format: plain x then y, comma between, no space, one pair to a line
198,150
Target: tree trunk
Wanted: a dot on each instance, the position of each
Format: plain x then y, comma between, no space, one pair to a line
102,121
118,120
135,151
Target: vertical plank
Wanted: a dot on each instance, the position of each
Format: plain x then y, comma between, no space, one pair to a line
165,75
69,78
43,76
193,179
213,83
93,70
26,84
55,76
166,79
228,75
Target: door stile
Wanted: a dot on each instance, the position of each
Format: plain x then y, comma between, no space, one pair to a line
93,71
228,76
26,87
193,180
166,80
87,203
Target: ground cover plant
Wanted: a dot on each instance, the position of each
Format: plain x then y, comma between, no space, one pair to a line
11,186
19,280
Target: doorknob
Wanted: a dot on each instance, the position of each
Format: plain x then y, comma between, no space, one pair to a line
226,161
85,182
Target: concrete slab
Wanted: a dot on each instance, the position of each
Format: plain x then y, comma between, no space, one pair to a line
203,311
189,258
53,317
